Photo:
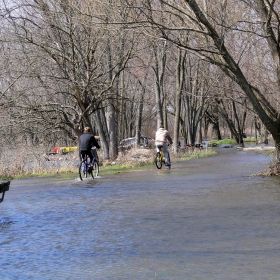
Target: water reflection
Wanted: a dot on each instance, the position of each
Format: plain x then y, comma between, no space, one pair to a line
203,219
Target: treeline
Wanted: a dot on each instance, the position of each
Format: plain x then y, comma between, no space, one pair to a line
123,67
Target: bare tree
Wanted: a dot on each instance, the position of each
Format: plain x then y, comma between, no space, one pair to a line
73,75
209,32
180,81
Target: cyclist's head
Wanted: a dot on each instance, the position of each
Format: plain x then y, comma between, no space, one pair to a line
87,129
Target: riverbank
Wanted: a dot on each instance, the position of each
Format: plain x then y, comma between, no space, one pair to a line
274,167
65,167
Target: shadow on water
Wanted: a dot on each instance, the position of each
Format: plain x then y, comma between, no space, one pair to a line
203,219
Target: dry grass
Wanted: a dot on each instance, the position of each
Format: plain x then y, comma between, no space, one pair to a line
30,162
141,156
273,170
136,156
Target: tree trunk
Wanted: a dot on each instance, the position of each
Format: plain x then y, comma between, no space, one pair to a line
180,74
112,129
121,108
159,70
103,132
139,114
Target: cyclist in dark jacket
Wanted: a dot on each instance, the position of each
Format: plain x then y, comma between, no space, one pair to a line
86,142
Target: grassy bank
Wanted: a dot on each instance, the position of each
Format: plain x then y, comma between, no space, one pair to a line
136,159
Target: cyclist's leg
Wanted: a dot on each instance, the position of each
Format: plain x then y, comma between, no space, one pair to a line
82,166
83,155
166,154
89,153
157,145
94,154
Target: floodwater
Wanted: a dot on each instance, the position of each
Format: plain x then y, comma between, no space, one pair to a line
203,219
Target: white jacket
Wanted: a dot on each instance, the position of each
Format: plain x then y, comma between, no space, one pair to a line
163,135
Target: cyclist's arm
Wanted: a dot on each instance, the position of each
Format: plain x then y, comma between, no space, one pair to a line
95,143
169,139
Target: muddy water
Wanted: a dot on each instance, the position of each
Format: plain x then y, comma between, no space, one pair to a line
203,219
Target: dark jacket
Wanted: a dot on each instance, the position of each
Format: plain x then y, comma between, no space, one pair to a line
86,142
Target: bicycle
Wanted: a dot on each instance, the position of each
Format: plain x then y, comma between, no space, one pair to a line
95,163
85,170
160,158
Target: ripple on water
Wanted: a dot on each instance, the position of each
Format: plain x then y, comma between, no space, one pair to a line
190,223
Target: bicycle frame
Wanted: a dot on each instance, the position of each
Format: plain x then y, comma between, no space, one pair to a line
93,171
161,154
83,168
160,158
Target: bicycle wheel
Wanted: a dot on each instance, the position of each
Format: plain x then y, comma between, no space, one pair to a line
95,169
83,170
158,161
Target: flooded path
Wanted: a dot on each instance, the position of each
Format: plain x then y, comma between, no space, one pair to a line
203,219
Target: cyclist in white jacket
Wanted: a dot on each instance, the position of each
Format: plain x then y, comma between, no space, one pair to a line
161,139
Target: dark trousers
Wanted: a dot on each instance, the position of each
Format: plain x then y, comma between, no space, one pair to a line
87,153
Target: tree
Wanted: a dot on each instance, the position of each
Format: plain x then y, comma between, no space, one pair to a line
211,31
180,81
73,74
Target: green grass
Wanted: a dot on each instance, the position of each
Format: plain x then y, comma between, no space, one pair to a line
251,139
109,169
68,174
223,141
196,154
124,167
129,167
6,178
